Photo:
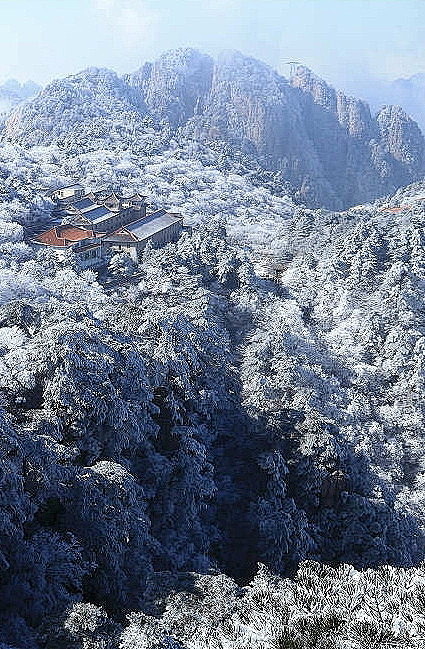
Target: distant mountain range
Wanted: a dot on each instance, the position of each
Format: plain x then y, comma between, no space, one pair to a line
330,147
409,93
13,93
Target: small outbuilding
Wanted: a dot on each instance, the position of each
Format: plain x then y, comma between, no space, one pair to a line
69,193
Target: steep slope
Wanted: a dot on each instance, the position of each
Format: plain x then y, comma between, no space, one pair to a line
327,145
363,157
255,110
204,418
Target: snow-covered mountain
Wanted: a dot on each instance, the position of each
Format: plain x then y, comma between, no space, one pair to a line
223,443
328,146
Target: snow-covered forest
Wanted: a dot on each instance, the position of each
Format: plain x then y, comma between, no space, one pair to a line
222,445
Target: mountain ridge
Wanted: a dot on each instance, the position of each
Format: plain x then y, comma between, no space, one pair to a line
326,144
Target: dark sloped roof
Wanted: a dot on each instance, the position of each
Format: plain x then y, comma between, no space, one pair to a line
83,203
143,228
74,185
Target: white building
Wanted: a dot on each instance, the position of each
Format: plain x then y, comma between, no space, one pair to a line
72,192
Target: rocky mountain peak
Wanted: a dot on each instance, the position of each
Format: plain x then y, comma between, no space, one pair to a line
326,144
354,114
174,86
403,138
322,94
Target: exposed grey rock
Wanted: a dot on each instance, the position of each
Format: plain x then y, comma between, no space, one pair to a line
327,145
403,138
174,86
364,157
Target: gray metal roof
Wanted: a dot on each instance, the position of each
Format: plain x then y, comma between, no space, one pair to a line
151,224
97,213
83,203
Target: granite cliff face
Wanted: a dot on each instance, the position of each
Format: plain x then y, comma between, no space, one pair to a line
328,146
403,138
362,156
173,86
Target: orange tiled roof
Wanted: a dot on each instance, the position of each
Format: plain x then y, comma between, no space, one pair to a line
64,235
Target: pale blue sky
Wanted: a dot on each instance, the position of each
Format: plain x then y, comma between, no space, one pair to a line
345,41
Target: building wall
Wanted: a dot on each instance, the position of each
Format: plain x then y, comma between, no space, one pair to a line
87,258
92,257
107,224
129,248
136,208
37,245
112,203
119,219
